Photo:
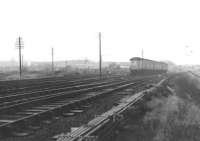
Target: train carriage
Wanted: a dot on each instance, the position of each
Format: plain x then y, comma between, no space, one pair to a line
146,66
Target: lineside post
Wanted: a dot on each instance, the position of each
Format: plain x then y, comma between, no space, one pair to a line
19,45
142,60
100,56
52,60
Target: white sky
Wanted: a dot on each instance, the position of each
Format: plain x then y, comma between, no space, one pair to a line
165,29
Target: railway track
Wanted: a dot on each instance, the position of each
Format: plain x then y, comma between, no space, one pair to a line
43,79
31,83
53,85
45,84
102,126
35,110
11,84
13,99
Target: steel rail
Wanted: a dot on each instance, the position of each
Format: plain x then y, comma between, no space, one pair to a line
37,81
10,99
63,104
47,84
55,88
57,94
87,130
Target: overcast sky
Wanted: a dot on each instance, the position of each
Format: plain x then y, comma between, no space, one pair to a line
165,29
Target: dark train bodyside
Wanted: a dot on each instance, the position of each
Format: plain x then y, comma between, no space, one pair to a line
141,66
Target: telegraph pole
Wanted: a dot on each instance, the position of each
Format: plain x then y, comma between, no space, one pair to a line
142,57
100,56
22,62
19,45
142,53
66,65
52,59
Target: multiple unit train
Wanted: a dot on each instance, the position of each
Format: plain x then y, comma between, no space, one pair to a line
146,66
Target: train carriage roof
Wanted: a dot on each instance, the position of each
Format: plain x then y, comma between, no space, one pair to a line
139,58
